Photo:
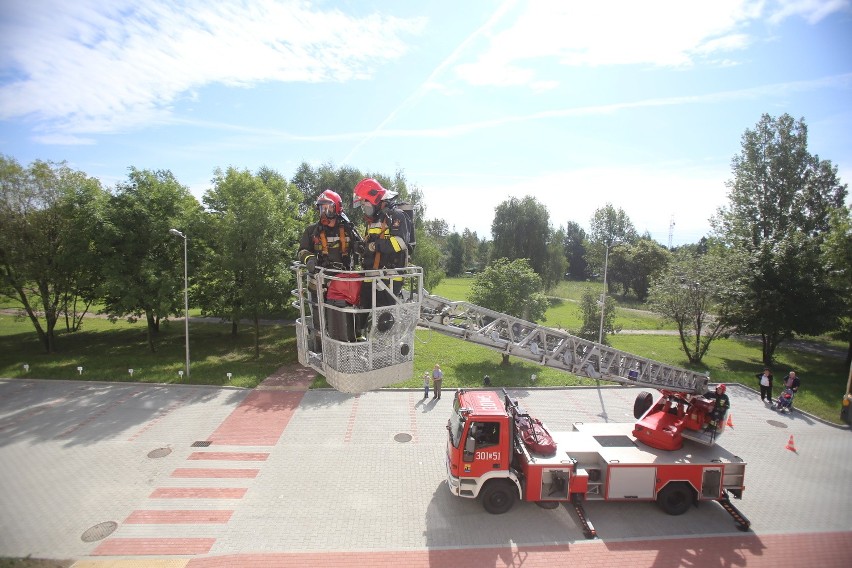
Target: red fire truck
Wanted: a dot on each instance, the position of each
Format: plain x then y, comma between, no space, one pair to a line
498,453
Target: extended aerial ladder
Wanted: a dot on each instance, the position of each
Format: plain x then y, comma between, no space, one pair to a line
360,349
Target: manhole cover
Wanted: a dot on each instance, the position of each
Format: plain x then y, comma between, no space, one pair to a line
402,437
776,423
201,444
159,453
99,531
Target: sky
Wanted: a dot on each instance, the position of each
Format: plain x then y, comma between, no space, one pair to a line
577,103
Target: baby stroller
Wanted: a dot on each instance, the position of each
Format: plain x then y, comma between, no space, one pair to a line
785,401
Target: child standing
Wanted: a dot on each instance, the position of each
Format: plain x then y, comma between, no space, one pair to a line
426,385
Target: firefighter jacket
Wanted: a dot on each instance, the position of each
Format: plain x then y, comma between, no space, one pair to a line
386,240
332,245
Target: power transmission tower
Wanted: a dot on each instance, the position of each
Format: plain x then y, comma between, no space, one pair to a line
671,231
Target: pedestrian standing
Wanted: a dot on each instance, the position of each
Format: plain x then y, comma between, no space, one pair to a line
765,381
426,385
437,378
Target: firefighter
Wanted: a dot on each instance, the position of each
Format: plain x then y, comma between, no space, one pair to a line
720,407
386,239
328,243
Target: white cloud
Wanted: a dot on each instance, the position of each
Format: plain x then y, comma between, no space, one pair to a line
93,66
670,33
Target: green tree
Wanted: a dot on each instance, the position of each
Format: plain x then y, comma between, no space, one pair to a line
255,230
48,216
575,251
521,229
647,259
470,249
556,264
837,259
686,292
427,256
454,263
142,262
511,287
609,226
590,306
780,200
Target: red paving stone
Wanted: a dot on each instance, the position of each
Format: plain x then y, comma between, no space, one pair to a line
259,420
212,472
229,456
198,493
177,517
153,546
823,550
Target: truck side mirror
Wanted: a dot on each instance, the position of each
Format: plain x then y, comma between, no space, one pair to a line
469,447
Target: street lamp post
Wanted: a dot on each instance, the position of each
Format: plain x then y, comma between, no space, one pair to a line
177,233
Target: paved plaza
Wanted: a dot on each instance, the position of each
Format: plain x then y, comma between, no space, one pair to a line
119,475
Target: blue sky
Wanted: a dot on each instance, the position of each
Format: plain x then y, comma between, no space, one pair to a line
639,104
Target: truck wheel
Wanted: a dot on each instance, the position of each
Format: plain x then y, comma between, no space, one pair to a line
644,401
498,496
675,498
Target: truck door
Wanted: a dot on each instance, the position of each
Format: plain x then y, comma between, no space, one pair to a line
631,482
485,448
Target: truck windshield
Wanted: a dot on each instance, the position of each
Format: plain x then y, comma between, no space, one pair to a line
456,425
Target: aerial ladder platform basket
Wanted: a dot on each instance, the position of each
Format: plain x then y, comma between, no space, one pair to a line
358,348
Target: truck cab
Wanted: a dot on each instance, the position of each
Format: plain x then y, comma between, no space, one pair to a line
479,450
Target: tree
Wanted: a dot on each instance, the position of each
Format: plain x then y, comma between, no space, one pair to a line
470,249
454,263
575,251
555,263
255,232
142,262
780,200
647,259
48,216
686,292
590,306
510,287
609,226
427,256
521,229
837,258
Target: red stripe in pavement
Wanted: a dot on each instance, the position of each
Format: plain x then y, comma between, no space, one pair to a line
259,420
826,550
229,456
175,517
153,546
215,473
198,493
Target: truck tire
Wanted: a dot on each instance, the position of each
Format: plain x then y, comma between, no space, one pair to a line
644,401
498,496
675,498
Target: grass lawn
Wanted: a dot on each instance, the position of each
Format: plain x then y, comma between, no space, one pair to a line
106,351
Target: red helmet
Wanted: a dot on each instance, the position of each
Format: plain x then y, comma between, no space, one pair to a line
720,389
329,204
368,190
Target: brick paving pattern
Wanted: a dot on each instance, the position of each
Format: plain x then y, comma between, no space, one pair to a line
320,478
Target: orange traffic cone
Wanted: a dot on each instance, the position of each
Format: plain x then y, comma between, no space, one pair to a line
791,445
730,421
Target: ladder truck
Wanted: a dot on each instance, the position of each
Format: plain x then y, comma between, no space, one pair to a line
360,349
